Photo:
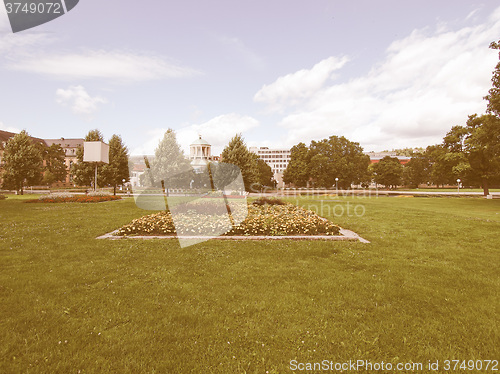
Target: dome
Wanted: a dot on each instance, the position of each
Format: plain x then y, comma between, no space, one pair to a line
200,141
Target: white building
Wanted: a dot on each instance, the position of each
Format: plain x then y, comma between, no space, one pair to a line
276,158
200,153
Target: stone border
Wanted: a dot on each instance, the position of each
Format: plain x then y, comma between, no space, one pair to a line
346,235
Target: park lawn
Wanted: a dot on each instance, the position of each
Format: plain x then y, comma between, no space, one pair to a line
426,288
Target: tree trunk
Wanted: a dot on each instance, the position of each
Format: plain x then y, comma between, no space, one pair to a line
114,190
486,190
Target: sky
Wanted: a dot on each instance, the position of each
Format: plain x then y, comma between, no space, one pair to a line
386,74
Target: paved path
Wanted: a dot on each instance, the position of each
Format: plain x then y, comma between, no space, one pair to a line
346,235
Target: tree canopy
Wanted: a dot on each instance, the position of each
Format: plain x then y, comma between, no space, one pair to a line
84,172
118,169
169,168
23,162
55,166
325,160
388,171
237,153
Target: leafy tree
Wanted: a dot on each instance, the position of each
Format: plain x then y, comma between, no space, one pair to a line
482,149
417,170
337,157
265,175
84,172
169,169
388,172
117,170
297,171
55,165
23,162
493,96
237,153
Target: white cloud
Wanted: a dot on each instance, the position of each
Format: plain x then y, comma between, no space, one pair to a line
218,132
291,89
428,82
78,99
115,65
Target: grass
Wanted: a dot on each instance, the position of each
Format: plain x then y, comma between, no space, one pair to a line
426,288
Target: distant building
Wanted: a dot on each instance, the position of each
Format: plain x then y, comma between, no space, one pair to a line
375,157
200,154
277,158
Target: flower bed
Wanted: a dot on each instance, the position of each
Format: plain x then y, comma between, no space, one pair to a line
265,219
74,199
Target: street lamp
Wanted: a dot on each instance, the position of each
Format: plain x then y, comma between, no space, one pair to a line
458,183
337,185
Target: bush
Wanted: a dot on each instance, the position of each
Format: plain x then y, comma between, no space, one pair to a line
73,199
268,200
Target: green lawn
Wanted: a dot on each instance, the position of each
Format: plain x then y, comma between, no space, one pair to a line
426,288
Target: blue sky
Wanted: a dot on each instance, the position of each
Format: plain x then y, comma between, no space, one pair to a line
386,74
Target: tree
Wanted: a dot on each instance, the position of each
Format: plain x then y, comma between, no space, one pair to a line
297,171
338,157
84,172
169,169
417,170
482,148
117,170
388,172
55,166
237,153
265,175
23,162
493,96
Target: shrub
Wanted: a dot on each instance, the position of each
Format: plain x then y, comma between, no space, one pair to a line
269,201
73,199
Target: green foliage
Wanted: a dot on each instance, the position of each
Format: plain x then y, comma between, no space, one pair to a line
388,171
268,200
337,157
169,169
23,163
265,176
482,148
325,160
118,169
297,172
237,153
493,96
417,171
84,172
55,166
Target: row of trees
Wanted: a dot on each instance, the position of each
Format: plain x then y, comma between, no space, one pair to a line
320,164
112,174
28,162
171,169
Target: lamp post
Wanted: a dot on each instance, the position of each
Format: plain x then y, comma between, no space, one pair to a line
337,185
458,183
